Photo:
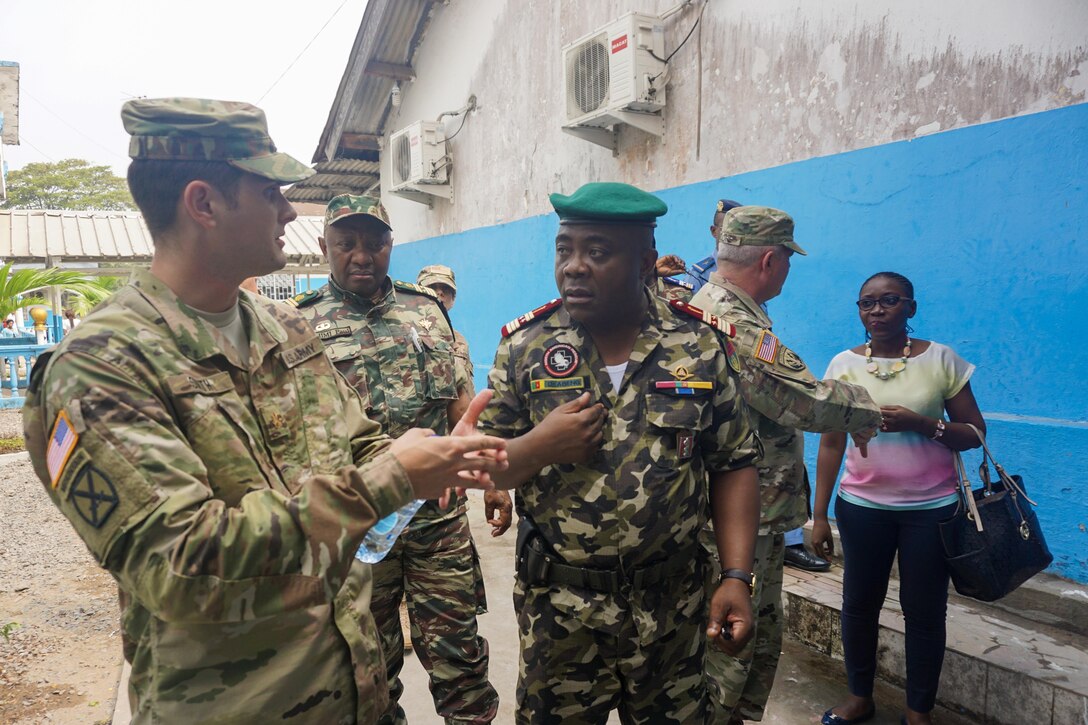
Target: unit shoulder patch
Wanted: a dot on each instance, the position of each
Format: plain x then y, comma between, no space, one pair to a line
301,300
415,289
538,314
699,314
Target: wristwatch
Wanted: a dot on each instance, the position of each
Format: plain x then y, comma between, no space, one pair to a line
745,576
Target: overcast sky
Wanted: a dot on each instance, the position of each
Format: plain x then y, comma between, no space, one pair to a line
81,59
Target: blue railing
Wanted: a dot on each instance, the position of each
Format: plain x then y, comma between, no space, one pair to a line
17,357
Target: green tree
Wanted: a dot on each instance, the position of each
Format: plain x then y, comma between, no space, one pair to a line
18,289
82,304
67,184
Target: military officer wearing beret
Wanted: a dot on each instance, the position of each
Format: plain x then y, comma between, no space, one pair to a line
204,449
617,406
394,343
755,245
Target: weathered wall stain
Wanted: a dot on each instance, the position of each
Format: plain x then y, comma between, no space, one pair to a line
773,92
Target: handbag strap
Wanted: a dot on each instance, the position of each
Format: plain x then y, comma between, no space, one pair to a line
963,488
1006,478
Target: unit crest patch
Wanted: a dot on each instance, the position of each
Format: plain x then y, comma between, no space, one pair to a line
561,359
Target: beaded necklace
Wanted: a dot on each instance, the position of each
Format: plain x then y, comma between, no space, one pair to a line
897,367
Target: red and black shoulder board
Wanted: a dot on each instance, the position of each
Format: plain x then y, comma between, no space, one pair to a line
713,320
518,322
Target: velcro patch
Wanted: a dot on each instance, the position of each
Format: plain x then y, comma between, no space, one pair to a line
62,441
546,384
766,347
93,495
333,332
301,353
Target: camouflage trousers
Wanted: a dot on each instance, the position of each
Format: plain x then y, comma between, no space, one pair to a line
739,686
571,674
437,569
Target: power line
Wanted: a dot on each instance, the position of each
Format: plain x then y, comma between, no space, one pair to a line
302,52
24,139
74,128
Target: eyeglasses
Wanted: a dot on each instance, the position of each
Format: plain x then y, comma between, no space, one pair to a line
887,302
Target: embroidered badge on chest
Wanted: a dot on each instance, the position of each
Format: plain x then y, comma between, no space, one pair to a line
561,360
323,325
544,384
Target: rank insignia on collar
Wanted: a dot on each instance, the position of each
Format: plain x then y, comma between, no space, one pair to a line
545,384
561,359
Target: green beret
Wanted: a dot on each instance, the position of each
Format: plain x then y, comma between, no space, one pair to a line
200,129
607,202
348,205
758,226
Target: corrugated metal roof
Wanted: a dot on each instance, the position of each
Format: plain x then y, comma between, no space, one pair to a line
30,236
390,32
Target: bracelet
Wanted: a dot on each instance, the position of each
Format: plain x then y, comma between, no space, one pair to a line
939,431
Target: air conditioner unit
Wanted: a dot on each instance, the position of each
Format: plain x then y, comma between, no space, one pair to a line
420,161
612,76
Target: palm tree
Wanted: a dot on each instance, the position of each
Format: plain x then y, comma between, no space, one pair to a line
18,288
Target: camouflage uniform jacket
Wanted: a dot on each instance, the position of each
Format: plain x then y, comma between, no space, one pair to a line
673,288
785,397
398,354
462,358
224,500
643,498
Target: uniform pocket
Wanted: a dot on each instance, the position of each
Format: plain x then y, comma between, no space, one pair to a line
677,412
436,361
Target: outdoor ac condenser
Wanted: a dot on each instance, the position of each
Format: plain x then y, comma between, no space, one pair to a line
419,162
611,76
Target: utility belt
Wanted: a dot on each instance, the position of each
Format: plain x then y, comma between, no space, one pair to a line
537,565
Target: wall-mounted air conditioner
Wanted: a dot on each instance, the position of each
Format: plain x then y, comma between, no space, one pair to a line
419,162
612,76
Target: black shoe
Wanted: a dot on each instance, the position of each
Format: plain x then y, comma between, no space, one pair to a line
798,556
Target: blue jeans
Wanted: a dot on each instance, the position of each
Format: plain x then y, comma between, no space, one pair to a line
870,539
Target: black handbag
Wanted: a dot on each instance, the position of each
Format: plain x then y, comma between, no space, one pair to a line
993,543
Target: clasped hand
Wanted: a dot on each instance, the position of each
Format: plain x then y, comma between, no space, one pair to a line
572,433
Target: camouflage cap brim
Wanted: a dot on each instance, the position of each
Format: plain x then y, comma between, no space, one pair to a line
277,166
795,247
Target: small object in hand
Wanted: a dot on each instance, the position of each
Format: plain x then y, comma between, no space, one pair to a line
939,431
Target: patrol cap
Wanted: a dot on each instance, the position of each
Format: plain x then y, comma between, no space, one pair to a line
608,202
348,205
200,129
436,274
758,226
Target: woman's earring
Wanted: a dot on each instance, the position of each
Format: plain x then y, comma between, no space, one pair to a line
910,329
868,336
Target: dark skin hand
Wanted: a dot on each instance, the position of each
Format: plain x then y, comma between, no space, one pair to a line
572,433
668,265
734,502
499,511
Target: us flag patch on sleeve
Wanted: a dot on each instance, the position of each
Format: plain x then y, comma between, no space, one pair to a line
766,347
61,444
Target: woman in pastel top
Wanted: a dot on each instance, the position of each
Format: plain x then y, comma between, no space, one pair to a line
892,500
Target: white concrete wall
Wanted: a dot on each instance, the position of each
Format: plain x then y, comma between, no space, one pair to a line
761,83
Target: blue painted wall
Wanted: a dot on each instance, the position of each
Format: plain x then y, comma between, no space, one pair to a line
990,223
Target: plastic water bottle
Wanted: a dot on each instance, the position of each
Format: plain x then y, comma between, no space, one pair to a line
382,535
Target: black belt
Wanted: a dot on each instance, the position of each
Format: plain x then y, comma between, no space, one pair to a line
537,567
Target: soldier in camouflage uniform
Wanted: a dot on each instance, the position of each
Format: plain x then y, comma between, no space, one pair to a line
755,246
666,284
394,343
617,406
439,279
213,461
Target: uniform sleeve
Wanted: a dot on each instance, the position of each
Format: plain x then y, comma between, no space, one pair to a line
462,360
730,442
139,497
959,371
507,415
786,392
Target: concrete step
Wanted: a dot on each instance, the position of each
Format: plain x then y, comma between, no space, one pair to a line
1000,668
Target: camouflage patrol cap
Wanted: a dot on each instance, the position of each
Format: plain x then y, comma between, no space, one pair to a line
436,274
348,205
607,202
758,226
200,129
